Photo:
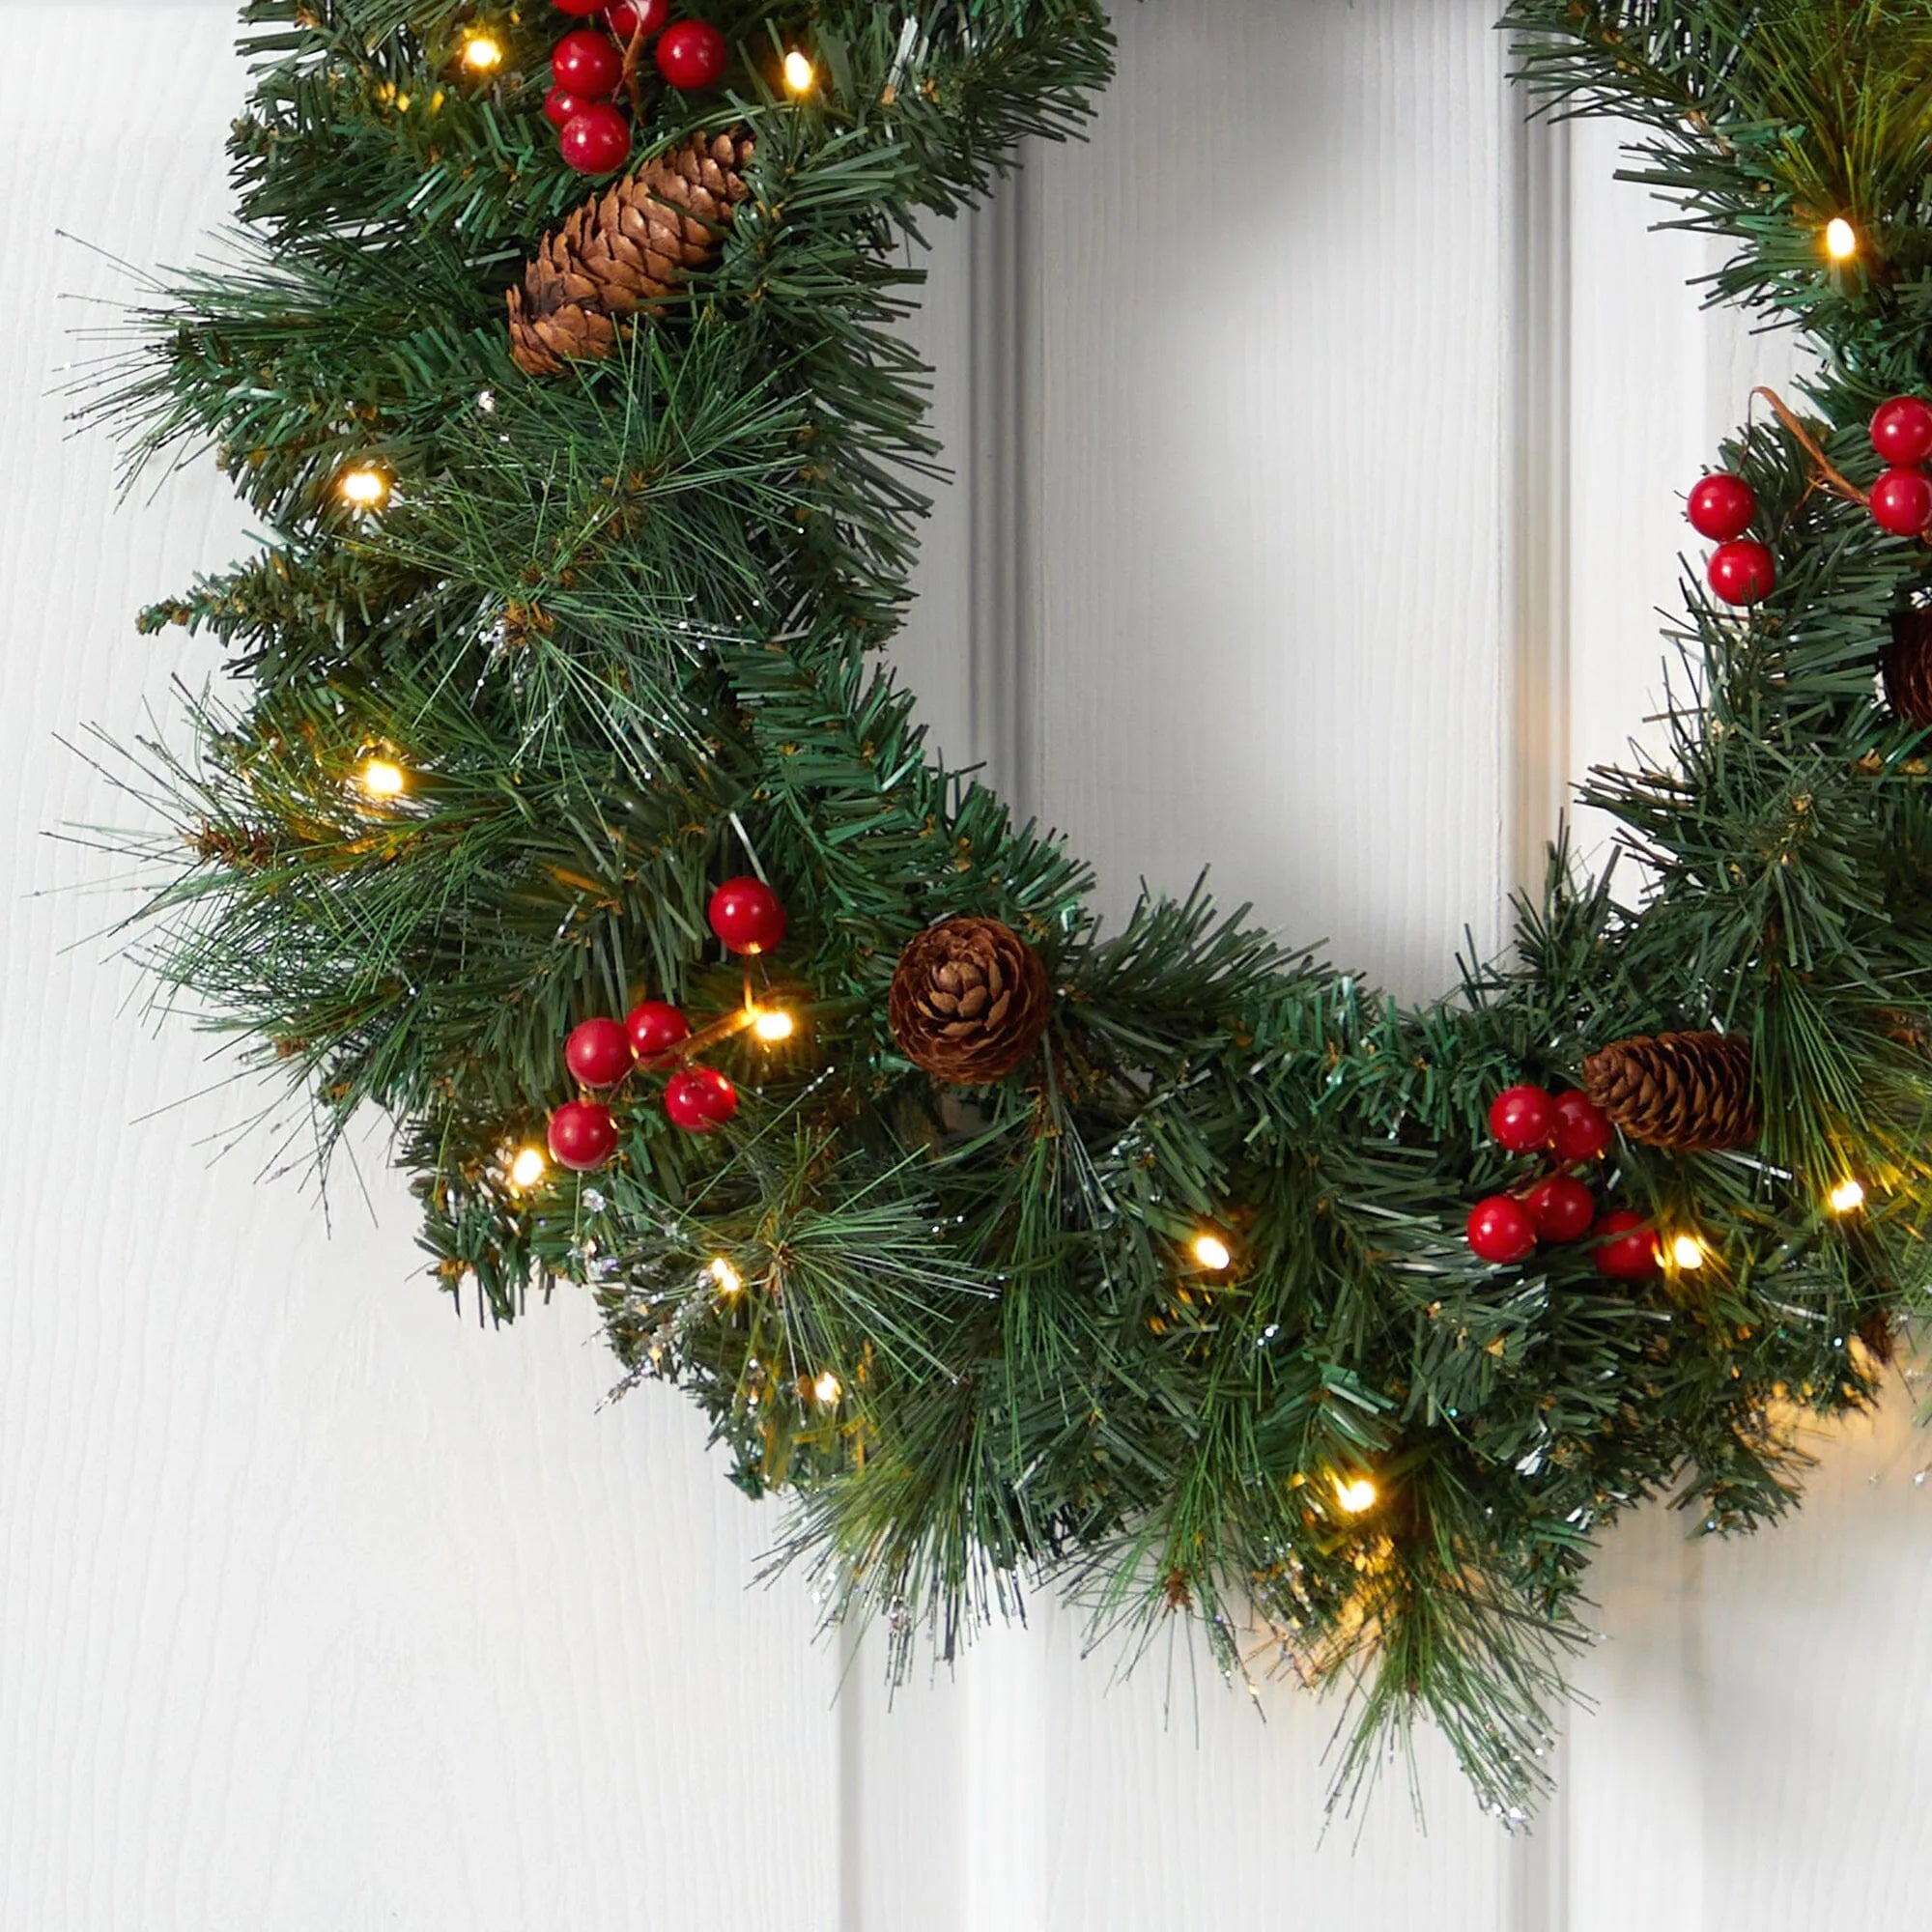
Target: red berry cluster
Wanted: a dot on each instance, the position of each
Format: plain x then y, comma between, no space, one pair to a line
1901,500
1722,507
1572,1130
602,1054
587,70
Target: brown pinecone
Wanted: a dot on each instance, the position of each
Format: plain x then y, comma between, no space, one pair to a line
1876,1332
1906,663
625,251
233,846
1688,1092
970,1000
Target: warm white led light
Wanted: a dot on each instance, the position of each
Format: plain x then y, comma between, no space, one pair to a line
481,54
363,488
730,1281
1846,1196
801,77
1212,1253
382,778
1687,1252
1841,238
827,1389
772,1025
528,1167
1355,1493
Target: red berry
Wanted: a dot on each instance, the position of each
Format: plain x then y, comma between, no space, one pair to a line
1523,1119
1501,1230
1582,1128
582,1135
746,916
1743,572
598,1052
581,8
699,1099
1721,506
595,140
628,15
1561,1207
587,64
561,106
1902,430
1625,1247
655,1027
1902,502
693,54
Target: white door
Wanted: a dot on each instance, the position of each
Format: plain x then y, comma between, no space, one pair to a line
1307,423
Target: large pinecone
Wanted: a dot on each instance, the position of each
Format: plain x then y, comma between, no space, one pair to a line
625,251
1688,1092
970,1001
1907,666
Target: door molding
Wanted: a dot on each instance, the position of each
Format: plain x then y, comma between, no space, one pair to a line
1536,385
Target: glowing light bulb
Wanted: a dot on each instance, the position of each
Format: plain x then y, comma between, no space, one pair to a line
1355,1493
1847,1195
481,54
528,1167
1687,1252
1841,238
800,75
730,1281
1212,1253
827,1389
772,1025
363,488
381,778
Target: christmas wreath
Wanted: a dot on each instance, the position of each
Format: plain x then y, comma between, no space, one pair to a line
564,813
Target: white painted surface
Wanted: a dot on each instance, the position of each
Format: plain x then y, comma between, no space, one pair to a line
319,1611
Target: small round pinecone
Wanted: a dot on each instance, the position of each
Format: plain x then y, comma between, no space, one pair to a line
1688,1092
1906,663
970,1000
1876,1331
626,251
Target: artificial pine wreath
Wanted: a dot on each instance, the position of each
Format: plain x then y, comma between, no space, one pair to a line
568,805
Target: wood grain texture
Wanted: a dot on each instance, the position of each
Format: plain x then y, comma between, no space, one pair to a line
320,1610
1268,468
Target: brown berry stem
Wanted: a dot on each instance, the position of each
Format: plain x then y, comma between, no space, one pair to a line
634,61
1825,473
728,1027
